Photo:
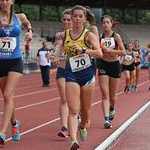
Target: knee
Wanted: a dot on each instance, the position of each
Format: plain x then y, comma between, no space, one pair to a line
105,96
7,95
73,112
113,98
63,101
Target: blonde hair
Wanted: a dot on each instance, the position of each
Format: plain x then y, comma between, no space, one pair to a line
66,11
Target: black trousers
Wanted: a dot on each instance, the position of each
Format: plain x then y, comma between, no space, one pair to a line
45,74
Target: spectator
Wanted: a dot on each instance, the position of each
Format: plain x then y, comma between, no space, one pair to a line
44,63
27,49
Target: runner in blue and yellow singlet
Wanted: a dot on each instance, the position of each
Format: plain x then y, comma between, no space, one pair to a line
60,77
79,45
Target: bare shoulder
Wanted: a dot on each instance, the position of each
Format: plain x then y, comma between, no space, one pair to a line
94,27
59,35
89,34
90,37
22,17
117,36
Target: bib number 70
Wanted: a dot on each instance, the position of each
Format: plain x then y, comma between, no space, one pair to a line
81,61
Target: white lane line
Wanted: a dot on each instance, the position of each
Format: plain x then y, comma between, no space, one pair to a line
41,91
35,104
33,86
37,92
33,129
26,94
105,144
52,121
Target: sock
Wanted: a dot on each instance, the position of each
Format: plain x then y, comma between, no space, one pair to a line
111,108
64,129
106,118
14,123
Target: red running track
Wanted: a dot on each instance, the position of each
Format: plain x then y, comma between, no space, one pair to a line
37,109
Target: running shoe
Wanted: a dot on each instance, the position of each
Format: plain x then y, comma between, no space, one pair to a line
107,124
111,114
135,88
2,139
79,119
83,134
15,131
63,132
88,123
74,145
125,89
132,89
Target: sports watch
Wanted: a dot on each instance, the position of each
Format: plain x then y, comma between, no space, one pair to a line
83,49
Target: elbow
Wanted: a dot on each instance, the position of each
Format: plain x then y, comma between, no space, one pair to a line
123,53
100,55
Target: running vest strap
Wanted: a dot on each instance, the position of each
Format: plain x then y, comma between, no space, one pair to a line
9,40
109,41
69,41
128,58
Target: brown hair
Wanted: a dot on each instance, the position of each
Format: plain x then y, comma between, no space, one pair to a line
90,17
79,7
114,23
107,16
148,45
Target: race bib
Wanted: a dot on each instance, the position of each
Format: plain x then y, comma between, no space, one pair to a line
136,54
62,56
149,56
109,42
79,62
128,57
7,44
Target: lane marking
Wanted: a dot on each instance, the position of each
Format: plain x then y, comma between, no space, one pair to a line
37,92
112,138
33,129
55,120
35,104
41,91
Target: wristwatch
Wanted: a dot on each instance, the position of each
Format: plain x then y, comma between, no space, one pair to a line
83,49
